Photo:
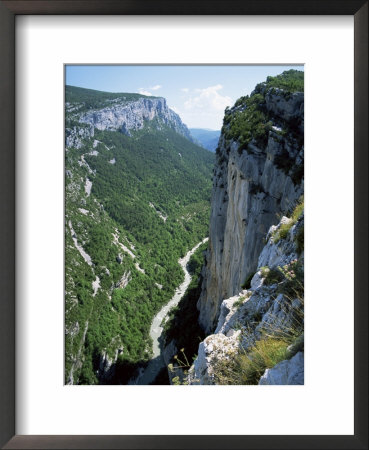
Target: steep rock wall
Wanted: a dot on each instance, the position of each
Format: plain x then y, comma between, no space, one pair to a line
252,188
126,116
265,308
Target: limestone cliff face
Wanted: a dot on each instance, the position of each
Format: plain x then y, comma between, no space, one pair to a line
253,186
131,115
270,308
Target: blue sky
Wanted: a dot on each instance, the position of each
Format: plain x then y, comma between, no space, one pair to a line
199,94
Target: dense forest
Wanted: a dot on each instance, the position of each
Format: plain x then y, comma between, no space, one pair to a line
134,205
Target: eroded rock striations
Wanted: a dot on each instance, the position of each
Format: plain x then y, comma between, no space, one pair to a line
253,185
125,116
272,307
252,299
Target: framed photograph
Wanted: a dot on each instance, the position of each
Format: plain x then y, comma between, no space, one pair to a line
138,189
157,160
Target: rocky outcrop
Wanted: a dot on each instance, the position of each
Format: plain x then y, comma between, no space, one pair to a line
73,330
125,279
126,116
252,188
108,359
281,252
74,136
272,306
213,349
286,372
286,106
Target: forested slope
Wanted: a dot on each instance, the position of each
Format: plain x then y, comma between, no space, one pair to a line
137,198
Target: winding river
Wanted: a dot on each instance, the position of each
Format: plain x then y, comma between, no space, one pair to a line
149,374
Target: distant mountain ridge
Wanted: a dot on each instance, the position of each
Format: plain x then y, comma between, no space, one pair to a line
123,112
206,138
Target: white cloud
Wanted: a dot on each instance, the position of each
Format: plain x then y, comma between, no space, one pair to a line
204,108
200,118
142,91
147,91
208,99
184,89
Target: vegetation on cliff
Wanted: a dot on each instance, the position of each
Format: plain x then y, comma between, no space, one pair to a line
249,121
252,300
290,81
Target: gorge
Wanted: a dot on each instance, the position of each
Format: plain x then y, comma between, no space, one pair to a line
138,201
157,363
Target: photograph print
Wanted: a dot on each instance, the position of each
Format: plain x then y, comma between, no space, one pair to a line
184,225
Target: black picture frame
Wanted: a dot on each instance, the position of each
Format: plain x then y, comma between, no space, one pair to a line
8,12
